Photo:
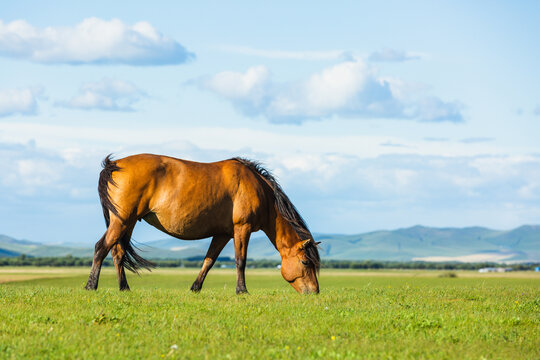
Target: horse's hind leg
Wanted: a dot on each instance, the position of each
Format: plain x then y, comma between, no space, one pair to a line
103,246
217,245
99,254
118,254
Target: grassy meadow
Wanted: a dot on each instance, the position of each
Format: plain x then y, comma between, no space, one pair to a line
45,313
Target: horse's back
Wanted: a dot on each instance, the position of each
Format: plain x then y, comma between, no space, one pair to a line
188,199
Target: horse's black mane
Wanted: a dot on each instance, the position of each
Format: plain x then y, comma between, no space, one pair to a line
283,203
286,209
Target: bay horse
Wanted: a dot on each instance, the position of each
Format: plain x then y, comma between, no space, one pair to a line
190,201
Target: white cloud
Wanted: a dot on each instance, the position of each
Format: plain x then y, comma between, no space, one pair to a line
234,138
422,179
286,54
394,56
435,110
337,86
349,89
107,94
335,192
93,41
30,171
239,86
36,173
19,101
476,140
384,55
425,181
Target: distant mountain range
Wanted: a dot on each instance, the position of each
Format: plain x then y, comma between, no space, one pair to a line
472,244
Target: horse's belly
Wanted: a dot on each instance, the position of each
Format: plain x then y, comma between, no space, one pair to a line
190,226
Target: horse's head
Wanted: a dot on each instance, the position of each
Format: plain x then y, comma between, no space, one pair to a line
300,265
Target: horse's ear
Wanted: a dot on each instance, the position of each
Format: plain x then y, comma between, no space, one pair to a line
305,243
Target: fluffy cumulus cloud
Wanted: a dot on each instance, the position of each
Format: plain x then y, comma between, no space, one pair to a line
350,89
93,41
107,94
19,101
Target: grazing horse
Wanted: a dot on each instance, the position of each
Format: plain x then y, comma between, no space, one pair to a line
191,201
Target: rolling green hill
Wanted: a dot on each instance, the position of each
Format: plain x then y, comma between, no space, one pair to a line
437,244
473,244
12,247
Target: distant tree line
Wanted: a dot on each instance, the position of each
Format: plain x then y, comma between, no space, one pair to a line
421,265
196,262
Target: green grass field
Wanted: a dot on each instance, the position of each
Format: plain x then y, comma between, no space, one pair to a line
45,313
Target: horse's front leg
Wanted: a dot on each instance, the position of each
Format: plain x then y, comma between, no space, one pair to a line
241,240
217,245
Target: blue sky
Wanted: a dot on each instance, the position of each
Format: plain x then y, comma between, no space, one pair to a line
373,115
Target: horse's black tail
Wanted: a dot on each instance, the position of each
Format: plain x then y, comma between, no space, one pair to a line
131,260
105,178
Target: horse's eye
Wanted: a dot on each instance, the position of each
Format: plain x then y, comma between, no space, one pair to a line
305,262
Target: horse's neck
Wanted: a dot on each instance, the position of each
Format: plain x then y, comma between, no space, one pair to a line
281,233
